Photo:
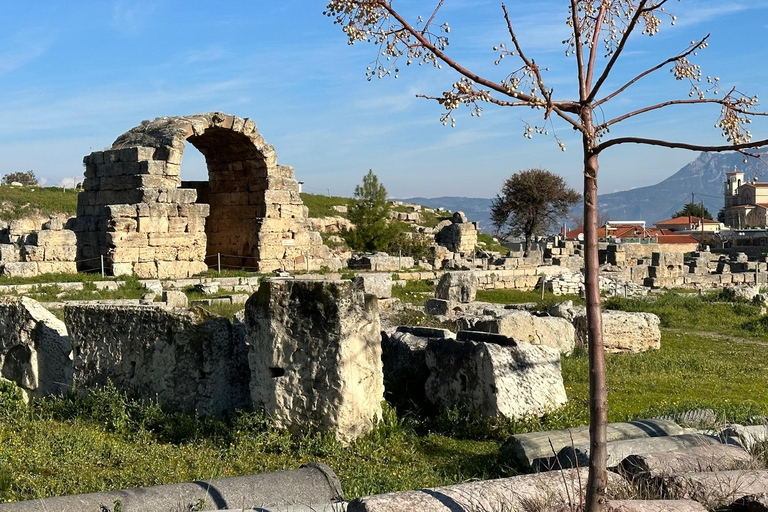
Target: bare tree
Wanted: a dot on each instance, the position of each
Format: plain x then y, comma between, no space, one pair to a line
598,27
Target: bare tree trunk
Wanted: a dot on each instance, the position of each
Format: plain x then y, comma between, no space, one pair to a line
598,403
527,249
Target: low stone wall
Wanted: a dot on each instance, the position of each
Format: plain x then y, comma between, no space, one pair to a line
170,355
49,250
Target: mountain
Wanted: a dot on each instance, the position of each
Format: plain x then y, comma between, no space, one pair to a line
704,177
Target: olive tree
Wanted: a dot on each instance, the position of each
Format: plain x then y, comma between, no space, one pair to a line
600,31
529,204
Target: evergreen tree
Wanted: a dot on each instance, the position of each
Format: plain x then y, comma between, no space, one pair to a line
369,212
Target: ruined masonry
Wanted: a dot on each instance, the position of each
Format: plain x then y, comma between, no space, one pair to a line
137,213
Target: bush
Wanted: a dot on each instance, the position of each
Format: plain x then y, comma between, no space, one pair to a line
27,178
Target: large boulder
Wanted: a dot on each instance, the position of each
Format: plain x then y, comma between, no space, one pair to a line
35,349
315,356
499,378
457,287
172,355
557,333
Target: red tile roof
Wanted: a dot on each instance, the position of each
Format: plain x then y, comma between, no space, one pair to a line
684,220
677,239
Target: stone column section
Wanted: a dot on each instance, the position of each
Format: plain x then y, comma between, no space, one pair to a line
315,356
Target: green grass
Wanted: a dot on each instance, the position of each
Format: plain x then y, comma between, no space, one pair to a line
706,313
521,297
491,244
321,206
414,292
17,202
131,289
58,278
104,440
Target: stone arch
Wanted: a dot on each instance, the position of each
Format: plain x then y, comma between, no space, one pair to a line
137,213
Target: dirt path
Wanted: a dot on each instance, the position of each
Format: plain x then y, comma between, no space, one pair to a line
715,336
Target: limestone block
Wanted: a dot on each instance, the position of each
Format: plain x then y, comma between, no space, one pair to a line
718,487
177,224
54,222
179,269
175,299
120,239
624,331
194,210
515,381
32,253
379,285
9,253
557,333
122,269
35,350
47,238
457,287
316,356
124,254
63,253
168,355
656,465
153,225
57,267
122,224
176,239
19,269
440,307
744,292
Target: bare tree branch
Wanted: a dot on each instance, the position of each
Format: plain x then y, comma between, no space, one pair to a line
680,145
658,106
595,43
579,50
649,71
608,67
434,13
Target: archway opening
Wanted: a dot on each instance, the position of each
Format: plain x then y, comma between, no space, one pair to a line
235,191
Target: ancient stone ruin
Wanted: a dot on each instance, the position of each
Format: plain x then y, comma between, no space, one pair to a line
138,214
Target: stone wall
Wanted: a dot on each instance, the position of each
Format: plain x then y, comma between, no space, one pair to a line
171,355
134,211
27,253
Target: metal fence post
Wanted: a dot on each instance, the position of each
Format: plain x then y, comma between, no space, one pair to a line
218,262
102,265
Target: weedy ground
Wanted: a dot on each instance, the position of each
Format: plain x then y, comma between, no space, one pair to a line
713,355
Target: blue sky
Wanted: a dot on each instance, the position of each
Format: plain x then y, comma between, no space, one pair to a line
75,75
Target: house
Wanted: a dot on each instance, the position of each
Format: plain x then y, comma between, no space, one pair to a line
690,223
635,232
746,203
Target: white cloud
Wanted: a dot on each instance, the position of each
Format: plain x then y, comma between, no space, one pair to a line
66,183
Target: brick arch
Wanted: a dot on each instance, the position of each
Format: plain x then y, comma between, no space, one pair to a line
137,212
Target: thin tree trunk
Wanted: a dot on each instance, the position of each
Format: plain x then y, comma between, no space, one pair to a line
598,403
527,250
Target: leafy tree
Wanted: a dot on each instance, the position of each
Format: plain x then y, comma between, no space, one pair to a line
530,202
693,210
369,212
598,28
25,178
721,215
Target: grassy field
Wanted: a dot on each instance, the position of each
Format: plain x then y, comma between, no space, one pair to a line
322,206
105,440
16,202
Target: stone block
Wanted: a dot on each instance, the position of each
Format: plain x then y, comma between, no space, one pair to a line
379,285
32,253
624,331
19,269
557,333
63,253
316,356
57,267
153,225
35,348
9,253
175,299
189,363
457,287
47,238
122,224
514,381
120,239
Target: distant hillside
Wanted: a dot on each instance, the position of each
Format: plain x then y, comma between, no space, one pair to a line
704,177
